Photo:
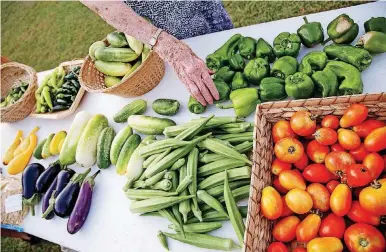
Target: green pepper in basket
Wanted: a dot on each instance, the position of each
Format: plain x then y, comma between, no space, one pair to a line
342,30
220,57
47,96
244,101
264,50
357,57
311,34
286,44
194,106
256,70
224,73
247,46
236,62
373,41
272,89
284,67
326,83
350,77
313,61
299,85
376,24
223,90
239,81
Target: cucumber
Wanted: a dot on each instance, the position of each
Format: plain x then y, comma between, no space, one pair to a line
149,125
39,148
103,147
125,154
112,68
46,147
111,80
68,150
94,47
86,150
137,107
166,107
116,39
115,54
134,44
118,142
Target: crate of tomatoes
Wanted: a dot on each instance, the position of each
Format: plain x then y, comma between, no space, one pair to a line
319,176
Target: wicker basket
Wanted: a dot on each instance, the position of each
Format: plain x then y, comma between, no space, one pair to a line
68,65
258,233
12,74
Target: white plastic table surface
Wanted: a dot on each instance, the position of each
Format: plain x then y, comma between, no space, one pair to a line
110,225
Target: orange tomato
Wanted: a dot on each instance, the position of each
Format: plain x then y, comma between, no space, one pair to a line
376,140
303,123
317,152
320,196
282,129
358,214
340,200
348,139
302,162
359,153
286,211
330,121
331,185
332,226
298,201
361,237
271,203
375,163
318,173
278,166
278,186
338,161
312,136
358,175
308,228
277,247
326,136
336,147
355,115
373,198
322,244
285,229
365,128
289,150
291,179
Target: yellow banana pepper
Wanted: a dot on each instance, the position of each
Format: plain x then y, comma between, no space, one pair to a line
25,143
8,156
56,140
19,162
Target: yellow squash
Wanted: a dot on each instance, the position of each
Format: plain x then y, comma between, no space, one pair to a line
25,143
8,156
55,142
19,162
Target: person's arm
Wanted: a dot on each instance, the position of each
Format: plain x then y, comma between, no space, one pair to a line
190,69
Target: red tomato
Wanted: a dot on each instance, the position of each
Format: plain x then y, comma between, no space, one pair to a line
298,201
289,150
312,136
326,136
358,175
330,121
318,173
278,166
324,244
376,140
277,247
348,139
299,249
302,162
291,179
317,152
282,129
374,162
338,161
271,203
359,153
361,237
364,129
373,198
278,186
320,196
285,229
308,228
332,226
303,123
358,214
336,147
355,115
340,200
286,211
331,185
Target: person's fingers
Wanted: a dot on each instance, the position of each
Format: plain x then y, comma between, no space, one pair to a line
197,94
210,71
210,85
205,92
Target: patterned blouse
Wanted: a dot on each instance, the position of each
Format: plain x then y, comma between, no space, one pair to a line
184,19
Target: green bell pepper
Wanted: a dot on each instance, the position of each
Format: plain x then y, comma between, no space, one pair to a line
256,70
220,57
350,77
313,61
311,34
236,62
223,90
342,30
194,106
225,73
264,50
239,81
376,24
244,101
299,85
373,42
284,67
360,58
286,44
272,89
247,47
326,83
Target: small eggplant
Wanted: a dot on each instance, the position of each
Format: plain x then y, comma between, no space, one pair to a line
29,178
65,201
46,199
82,206
48,176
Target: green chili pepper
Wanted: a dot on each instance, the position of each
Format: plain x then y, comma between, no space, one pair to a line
44,83
351,77
52,81
272,89
236,62
299,85
264,50
223,90
357,57
43,109
286,44
373,41
244,101
47,96
239,81
326,83
220,57
256,70
342,30
194,106
311,34
284,67
224,73
247,47
376,24
313,61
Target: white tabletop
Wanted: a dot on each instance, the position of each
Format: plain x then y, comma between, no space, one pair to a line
110,225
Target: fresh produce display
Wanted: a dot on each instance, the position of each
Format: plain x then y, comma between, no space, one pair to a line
14,95
314,177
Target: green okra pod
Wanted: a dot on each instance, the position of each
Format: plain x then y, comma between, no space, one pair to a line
184,184
219,166
213,215
162,240
164,185
237,137
149,160
194,129
178,164
233,174
167,214
174,208
160,146
244,147
184,206
211,201
157,160
192,171
141,194
168,175
238,193
219,190
150,181
155,204
201,227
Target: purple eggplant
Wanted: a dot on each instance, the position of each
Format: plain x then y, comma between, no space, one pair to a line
82,206
29,178
48,176
66,199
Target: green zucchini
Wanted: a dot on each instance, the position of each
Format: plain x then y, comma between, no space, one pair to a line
149,125
116,39
93,48
112,68
125,154
115,54
111,80
46,147
103,147
167,107
137,107
118,142
38,150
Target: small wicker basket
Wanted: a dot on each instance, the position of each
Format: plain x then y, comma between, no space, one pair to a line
12,74
258,233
